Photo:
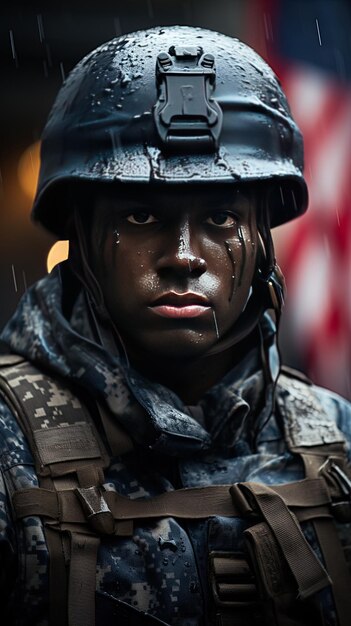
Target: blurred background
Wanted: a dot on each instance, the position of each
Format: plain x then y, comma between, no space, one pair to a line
309,45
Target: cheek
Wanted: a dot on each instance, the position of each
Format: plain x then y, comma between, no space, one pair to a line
239,266
125,271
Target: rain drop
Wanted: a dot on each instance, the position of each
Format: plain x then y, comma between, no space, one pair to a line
13,48
14,277
215,323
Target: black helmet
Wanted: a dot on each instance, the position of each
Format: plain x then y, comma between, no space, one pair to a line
171,105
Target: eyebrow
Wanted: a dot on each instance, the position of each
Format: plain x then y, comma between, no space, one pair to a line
158,203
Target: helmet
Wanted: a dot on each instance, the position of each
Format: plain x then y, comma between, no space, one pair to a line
171,105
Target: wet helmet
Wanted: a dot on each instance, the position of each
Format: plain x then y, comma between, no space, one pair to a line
171,105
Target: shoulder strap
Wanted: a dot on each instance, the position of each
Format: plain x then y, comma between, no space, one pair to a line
312,433
60,431
68,452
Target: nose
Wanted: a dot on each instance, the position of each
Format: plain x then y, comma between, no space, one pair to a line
181,252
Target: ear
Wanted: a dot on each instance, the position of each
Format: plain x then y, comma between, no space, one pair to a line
269,277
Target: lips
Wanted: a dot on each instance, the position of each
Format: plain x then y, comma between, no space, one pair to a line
180,305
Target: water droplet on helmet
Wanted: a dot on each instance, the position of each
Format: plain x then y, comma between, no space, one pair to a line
125,79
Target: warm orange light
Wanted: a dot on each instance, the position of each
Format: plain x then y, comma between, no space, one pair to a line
58,253
28,169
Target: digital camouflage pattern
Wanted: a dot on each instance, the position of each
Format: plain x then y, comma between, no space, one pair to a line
163,568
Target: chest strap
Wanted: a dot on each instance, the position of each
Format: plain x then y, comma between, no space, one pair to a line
102,509
108,512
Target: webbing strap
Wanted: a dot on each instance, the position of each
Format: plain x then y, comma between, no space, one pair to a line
57,578
82,580
191,503
308,572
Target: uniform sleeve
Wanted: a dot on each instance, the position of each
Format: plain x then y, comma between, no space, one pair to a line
8,560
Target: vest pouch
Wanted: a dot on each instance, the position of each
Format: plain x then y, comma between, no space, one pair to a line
277,588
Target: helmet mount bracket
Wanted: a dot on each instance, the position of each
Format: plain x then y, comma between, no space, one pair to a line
187,117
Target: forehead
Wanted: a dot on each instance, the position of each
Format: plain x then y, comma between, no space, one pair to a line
174,197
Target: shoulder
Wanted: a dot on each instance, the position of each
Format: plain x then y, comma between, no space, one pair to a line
311,413
14,449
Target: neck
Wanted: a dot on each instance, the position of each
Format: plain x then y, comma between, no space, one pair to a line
190,379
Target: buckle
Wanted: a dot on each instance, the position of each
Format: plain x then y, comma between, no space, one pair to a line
187,117
340,487
231,580
243,500
96,510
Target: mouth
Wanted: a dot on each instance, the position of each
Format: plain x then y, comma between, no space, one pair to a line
180,305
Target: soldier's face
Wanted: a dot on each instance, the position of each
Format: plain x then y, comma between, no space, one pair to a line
175,265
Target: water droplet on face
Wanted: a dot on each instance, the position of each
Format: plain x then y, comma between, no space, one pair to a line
232,260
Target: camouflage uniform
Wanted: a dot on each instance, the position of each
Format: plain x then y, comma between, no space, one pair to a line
162,568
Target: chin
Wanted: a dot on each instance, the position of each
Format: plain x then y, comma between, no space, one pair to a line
176,345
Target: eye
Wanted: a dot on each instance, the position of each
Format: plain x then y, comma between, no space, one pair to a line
141,217
222,219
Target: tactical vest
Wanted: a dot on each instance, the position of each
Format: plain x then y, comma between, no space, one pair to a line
282,572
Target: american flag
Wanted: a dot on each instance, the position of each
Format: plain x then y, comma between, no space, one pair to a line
309,46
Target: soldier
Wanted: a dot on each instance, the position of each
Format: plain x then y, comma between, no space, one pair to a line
158,464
